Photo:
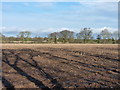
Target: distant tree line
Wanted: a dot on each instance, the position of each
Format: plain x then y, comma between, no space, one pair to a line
66,36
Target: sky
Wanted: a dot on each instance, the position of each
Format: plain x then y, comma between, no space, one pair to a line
42,18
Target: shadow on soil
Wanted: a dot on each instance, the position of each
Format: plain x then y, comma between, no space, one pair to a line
34,64
7,84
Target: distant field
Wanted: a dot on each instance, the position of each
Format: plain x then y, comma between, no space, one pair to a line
60,65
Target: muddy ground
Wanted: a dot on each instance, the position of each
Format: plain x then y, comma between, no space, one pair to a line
60,66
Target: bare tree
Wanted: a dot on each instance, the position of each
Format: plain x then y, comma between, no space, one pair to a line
115,35
66,35
2,37
85,34
105,34
24,36
53,36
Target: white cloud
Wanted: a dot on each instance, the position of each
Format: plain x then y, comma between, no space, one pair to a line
48,4
26,4
8,29
106,6
12,31
98,0
45,4
60,0
98,30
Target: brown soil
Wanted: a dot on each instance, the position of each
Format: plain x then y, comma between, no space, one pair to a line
60,66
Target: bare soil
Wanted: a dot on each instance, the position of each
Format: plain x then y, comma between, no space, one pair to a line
60,66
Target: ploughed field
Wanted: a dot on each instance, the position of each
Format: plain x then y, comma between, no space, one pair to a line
60,66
